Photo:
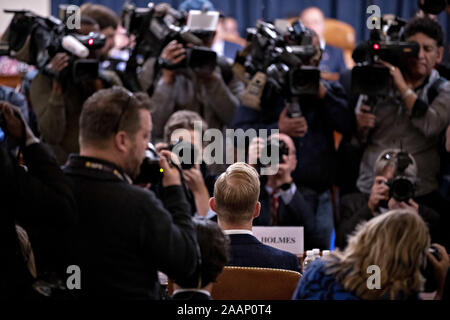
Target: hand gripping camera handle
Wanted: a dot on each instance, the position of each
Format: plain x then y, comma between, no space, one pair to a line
71,44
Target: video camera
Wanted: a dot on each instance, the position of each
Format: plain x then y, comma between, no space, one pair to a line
387,43
155,26
433,6
36,40
285,59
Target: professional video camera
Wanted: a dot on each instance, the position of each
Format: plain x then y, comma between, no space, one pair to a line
285,59
155,26
36,40
387,43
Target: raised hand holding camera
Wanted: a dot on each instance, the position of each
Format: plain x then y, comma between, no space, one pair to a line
13,124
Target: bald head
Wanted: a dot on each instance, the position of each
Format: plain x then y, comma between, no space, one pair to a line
313,18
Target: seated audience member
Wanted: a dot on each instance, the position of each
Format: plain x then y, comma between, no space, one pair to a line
358,207
332,57
37,200
125,233
282,204
236,203
214,249
199,178
396,242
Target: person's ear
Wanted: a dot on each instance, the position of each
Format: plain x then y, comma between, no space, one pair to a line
212,204
440,55
121,141
257,210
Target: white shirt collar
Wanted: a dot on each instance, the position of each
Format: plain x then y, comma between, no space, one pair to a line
206,292
238,231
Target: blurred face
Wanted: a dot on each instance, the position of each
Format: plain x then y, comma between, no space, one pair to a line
314,19
430,55
139,144
188,136
109,34
88,28
230,26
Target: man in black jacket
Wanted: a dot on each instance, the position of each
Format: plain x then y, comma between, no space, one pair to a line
126,234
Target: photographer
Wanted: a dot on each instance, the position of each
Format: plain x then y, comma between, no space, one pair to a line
57,96
412,116
358,207
198,177
39,199
126,234
313,139
212,96
282,204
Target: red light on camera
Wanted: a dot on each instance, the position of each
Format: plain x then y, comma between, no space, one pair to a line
376,46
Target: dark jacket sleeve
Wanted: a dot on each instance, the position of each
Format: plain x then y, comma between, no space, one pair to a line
173,243
337,112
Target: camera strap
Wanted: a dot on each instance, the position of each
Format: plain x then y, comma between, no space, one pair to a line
96,164
434,89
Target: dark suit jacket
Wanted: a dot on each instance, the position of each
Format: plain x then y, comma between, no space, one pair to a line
230,49
354,210
191,295
247,251
297,212
126,234
332,60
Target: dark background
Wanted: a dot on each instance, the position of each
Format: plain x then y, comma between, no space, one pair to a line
248,11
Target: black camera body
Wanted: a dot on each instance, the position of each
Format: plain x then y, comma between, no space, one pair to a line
401,188
36,40
370,77
187,153
279,147
150,171
433,6
154,27
285,59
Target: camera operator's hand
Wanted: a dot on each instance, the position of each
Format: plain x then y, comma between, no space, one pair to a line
440,268
196,183
412,205
174,53
294,127
161,146
254,150
398,78
379,192
14,124
365,121
171,176
194,179
58,62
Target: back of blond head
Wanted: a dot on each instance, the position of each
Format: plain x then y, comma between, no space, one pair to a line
236,193
396,242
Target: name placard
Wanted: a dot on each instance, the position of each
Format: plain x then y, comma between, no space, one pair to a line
285,238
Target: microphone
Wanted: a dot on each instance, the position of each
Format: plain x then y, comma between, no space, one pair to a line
71,44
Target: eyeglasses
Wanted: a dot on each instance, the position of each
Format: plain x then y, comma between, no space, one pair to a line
122,112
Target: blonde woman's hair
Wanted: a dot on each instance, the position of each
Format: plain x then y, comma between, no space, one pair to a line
396,242
236,193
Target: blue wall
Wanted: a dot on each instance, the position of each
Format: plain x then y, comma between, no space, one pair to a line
248,11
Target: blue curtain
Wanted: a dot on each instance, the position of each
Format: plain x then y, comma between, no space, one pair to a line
248,11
